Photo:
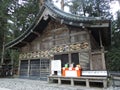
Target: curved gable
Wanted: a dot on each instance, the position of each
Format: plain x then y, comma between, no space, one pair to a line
47,12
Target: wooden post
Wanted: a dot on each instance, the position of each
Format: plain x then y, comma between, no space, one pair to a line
90,55
59,80
102,52
87,83
100,39
28,72
103,60
105,83
40,68
79,54
19,67
69,58
48,79
72,82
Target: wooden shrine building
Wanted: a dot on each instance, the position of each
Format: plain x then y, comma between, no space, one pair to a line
57,35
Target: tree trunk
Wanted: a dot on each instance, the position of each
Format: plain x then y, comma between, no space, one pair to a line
62,5
3,50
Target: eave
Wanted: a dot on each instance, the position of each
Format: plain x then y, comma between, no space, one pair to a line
53,12
31,33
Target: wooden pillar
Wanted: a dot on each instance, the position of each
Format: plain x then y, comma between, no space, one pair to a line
59,81
28,72
72,82
53,38
87,83
90,58
40,68
69,32
105,83
103,59
101,45
19,67
102,52
90,55
48,79
69,58
69,54
79,54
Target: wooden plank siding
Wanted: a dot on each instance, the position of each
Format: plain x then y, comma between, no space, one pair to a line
57,34
69,44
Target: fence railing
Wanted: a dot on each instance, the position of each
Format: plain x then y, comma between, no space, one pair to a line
115,77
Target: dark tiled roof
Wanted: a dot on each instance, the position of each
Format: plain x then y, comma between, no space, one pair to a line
39,23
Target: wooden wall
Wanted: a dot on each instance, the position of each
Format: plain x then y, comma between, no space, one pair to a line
59,41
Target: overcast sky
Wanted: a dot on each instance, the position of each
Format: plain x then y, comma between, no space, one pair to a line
115,6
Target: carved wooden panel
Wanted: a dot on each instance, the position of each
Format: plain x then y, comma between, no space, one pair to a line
62,48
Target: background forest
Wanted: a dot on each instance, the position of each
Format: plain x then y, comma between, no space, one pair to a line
17,15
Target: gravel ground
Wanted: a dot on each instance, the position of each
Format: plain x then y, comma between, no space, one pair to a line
26,84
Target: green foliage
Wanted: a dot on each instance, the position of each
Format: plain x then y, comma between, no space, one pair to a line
22,15
3,23
113,59
15,18
14,54
113,56
89,7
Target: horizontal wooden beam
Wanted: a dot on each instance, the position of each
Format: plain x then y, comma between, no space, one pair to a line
59,29
99,25
78,33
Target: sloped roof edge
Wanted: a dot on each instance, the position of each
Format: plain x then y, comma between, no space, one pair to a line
61,14
66,18
27,32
